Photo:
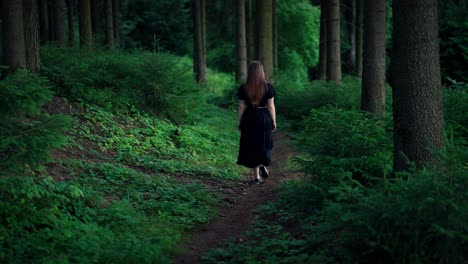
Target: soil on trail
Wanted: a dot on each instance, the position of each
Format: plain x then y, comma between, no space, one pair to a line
245,198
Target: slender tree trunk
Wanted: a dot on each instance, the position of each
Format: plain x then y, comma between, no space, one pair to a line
250,31
115,21
199,52
31,34
416,82
323,41
203,48
14,54
359,36
109,24
351,26
59,22
265,43
71,22
44,22
95,17
86,36
196,38
373,78
333,47
275,39
241,67
50,19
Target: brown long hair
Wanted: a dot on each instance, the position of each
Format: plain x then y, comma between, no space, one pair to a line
256,84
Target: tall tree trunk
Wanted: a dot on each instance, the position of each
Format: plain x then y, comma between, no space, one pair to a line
50,20
199,53
351,26
333,43
275,39
59,22
416,82
323,41
71,22
241,43
13,46
44,22
86,36
115,21
95,17
31,34
250,30
109,24
359,36
203,48
373,78
265,42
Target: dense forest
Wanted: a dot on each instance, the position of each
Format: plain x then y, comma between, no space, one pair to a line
118,136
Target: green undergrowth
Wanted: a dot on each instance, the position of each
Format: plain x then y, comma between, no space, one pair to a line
206,148
118,177
115,197
159,83
105,213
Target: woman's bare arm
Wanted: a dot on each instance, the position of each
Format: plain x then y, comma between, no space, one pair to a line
240,112
272,110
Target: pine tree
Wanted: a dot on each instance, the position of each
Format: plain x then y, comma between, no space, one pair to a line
265,42
13,26
241,43
416,82
373,77
323,40
86,37
333,42
31,34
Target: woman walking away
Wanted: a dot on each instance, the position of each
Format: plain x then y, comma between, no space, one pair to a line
257,120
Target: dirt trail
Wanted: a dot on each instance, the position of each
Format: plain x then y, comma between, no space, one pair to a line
234,221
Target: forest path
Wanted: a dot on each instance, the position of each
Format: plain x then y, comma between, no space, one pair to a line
234,221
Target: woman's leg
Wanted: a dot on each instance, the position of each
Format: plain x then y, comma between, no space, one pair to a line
256,172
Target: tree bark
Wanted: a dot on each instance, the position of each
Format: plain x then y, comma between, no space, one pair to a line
322,64
333,43
203,48
109,24
265,43
250,30
14,54
199,51
71,22
115,21
275,39
416,82
86,36
359,36
59,22
31,34
373,78
50,20
95,17
241,67
351,26
44,22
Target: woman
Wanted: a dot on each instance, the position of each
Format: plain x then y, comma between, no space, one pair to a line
257,120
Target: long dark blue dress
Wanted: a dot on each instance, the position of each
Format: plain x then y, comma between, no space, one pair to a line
256,126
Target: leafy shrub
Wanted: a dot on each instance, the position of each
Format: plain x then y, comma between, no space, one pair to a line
295,102
27,134
107,213
156,82
456,107
340,143
417,217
